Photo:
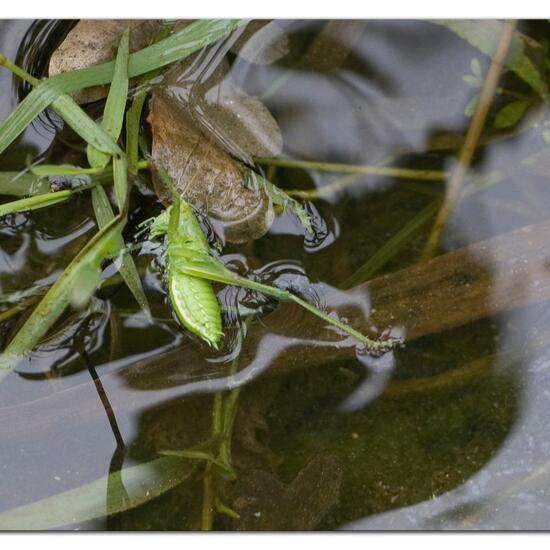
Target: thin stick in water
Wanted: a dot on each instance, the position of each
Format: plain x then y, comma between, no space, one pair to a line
472,137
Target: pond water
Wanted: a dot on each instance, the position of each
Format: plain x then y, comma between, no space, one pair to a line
448,431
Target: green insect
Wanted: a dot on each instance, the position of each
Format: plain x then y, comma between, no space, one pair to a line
193,298
192,267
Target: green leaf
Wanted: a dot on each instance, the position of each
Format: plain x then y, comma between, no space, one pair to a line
511,114
133,115
485,35
141,484
177,46
82,287
113,114
67,108
120,178
471,106
472,81
59,296
47,170
475,67
21,184
256,182
35,202
133,119
127,268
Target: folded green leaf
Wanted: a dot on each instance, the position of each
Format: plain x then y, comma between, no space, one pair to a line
59,295
113,114
141,484
127,268
177,46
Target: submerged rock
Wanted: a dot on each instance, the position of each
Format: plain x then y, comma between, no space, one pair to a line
95,41
204,173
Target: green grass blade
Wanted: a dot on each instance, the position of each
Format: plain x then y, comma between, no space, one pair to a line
128,270
21,184
35,202
59,295
177,46
67,108
141,483
48,170
113,115
391,247
120,178
133,115
133,119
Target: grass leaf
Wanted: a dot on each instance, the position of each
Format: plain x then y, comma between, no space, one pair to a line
59,295
67,108
35,202
113,115
177,46
120,178
48,170
127,268
141,484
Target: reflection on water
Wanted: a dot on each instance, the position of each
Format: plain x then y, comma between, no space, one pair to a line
448,431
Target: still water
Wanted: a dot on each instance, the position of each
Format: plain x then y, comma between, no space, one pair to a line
448,431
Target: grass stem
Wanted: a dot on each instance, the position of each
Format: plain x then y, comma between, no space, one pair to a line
472,137
401,173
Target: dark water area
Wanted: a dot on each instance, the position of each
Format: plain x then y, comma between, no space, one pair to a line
448,431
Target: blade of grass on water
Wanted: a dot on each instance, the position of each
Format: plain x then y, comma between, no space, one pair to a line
142,483
113,114
35,202
47,170
59,295
127,268
133,115
178,46
64,106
